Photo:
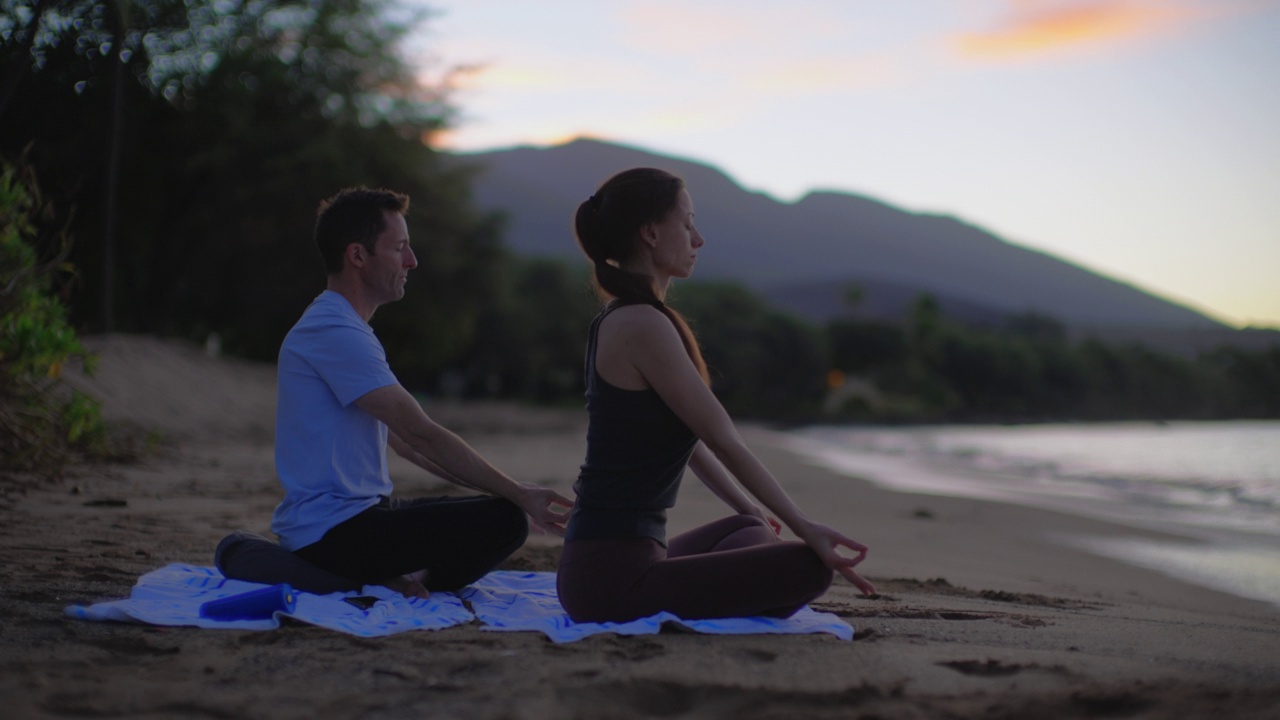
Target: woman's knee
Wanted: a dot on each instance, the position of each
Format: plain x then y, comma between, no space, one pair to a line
745,531
814,573
743,522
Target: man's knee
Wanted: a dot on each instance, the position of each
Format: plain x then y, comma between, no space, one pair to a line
252,558
230,545
513,522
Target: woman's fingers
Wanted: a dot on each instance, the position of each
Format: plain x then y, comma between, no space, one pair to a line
827,542
858,581
845,565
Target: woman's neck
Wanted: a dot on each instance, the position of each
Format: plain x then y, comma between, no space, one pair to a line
659,282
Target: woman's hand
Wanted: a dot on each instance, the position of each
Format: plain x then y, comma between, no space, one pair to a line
540,503
825,541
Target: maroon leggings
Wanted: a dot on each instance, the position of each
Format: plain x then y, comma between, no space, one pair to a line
734,567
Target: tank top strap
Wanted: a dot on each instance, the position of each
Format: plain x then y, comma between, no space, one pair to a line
589,374
589,366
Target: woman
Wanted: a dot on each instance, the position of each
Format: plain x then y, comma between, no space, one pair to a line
651,412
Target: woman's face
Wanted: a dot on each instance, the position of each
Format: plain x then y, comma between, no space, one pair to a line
674,240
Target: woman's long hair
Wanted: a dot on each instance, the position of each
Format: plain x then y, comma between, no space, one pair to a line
607,227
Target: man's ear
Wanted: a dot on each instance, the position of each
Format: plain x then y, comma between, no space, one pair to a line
356,254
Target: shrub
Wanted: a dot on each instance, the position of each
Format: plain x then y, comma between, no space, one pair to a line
42,421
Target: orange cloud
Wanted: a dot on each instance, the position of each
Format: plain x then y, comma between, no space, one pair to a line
1037,27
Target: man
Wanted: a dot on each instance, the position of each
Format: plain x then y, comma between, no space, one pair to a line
340,407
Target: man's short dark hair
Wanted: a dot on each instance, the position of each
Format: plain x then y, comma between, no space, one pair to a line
354,215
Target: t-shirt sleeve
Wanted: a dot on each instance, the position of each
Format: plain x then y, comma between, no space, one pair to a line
351,362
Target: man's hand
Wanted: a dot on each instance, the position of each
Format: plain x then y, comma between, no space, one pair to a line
540,503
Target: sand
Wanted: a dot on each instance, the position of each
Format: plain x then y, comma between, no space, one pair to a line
986,610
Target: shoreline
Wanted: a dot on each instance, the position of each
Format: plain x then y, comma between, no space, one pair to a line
1023,535
1241,559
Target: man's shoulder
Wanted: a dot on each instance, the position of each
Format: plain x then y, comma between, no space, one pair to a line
329,311
331,307
328,322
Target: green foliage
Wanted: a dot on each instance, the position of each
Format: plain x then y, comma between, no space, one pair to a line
41,421
239,116
763,363
1029,370
530,344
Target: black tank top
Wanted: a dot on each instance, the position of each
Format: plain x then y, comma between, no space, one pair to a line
637,450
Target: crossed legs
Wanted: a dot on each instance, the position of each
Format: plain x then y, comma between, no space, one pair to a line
456,540
733,567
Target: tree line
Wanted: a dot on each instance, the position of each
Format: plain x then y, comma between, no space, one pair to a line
185,144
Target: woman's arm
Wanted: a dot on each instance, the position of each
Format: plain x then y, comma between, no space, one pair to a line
653,347
721,483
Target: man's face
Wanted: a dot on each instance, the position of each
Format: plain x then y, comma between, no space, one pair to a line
388,266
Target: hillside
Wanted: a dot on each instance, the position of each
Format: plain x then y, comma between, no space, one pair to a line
803,255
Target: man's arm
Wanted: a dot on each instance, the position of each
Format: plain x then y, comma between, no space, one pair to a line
402,449
444,454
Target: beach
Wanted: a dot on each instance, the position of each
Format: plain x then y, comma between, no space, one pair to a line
986,609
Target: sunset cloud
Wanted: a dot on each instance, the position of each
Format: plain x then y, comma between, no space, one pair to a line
1034,27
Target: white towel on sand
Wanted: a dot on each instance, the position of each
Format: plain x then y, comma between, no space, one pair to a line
172,595
502,600
528,601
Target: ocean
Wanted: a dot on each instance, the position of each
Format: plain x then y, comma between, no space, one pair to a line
1215,483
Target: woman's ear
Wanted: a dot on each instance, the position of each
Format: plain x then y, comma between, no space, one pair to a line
649,234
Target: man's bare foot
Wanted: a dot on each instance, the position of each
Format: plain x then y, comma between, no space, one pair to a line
410,584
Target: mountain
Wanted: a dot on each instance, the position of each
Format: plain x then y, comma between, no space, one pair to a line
804,255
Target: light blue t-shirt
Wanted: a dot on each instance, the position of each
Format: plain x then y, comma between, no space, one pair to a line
331,456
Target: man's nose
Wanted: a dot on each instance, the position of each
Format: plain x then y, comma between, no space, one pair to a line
410,260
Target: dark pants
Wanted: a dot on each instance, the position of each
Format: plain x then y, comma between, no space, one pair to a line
734,567
457,540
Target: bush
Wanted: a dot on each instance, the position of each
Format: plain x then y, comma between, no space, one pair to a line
42,421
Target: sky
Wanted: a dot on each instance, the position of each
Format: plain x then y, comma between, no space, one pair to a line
1137,138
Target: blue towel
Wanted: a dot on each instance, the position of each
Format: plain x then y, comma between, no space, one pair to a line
503,600
172,595
528,601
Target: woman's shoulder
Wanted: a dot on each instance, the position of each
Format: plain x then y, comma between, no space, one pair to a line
639,328
636,318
